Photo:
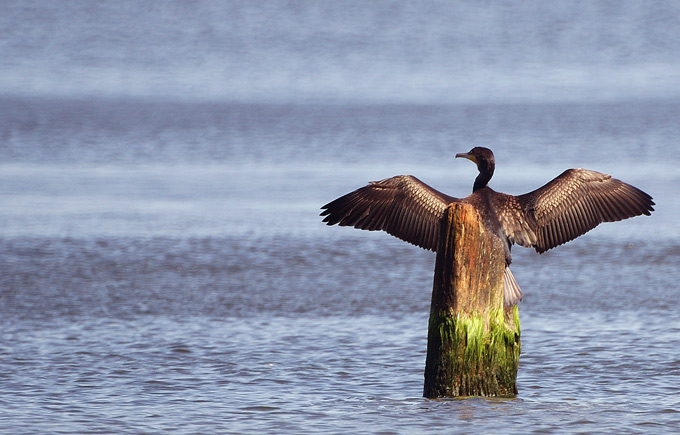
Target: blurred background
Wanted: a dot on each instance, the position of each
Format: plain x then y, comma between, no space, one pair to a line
162,165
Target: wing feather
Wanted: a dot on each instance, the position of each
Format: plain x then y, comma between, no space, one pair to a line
403,206
577,201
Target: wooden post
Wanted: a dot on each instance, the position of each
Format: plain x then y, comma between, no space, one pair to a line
473,342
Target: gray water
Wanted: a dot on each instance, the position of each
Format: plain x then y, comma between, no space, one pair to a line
163,267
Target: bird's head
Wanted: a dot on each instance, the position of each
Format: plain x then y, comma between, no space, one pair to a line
486,163
483,157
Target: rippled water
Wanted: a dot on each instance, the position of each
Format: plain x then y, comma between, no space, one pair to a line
241,335
163,267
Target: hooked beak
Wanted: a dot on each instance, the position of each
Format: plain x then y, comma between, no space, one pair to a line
466,156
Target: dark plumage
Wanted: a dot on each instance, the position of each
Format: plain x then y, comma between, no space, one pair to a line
570,205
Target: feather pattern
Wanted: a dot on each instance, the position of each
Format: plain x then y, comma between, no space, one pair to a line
403,206
575,202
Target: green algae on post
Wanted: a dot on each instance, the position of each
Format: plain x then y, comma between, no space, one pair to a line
474,359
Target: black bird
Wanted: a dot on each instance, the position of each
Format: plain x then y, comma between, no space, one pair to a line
570,205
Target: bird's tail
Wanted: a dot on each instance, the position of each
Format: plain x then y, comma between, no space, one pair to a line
512,294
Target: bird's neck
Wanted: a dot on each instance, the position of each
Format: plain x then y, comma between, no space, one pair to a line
483,178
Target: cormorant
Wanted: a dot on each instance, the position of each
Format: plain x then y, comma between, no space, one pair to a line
570,205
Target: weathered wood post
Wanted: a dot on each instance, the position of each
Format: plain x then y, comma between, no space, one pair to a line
473,342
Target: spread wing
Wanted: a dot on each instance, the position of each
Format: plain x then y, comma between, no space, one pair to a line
577,201
403,206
